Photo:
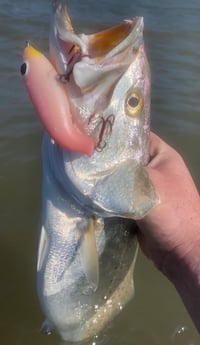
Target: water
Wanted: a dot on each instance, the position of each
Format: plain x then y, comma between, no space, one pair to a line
172,36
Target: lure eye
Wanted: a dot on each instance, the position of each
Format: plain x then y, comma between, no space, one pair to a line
24,69
134,103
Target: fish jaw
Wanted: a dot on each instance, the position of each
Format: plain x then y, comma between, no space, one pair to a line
52,103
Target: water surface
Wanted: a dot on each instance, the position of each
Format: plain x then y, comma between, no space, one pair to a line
172,37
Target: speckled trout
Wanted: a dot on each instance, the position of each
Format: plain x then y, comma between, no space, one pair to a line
93,98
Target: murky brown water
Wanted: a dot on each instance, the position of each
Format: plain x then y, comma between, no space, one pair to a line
172,35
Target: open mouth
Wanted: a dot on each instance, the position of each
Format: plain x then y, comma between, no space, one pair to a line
90,66
98,47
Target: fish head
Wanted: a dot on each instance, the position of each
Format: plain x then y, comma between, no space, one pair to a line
107,78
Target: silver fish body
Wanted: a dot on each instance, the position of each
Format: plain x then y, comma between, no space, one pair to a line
87,248
73,307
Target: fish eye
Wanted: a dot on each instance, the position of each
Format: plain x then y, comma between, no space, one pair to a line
24,68
134,103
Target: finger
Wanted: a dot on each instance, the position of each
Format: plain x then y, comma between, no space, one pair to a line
155,145
160,152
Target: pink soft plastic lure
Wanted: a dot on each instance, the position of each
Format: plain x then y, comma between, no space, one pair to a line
49,97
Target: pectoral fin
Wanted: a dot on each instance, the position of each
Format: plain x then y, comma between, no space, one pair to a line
42,249
89,255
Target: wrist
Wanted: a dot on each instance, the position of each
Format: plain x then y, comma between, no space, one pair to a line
182,267
184,257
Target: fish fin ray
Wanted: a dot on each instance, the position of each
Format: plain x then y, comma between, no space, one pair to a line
42,248
89,255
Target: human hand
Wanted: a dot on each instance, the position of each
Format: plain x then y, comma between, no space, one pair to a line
173,226
170,233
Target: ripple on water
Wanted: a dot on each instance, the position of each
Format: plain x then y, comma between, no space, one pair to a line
183,335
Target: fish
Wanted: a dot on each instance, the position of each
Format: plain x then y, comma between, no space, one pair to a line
92,96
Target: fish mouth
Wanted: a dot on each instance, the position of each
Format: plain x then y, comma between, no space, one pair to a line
102,47
90,65
103,43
